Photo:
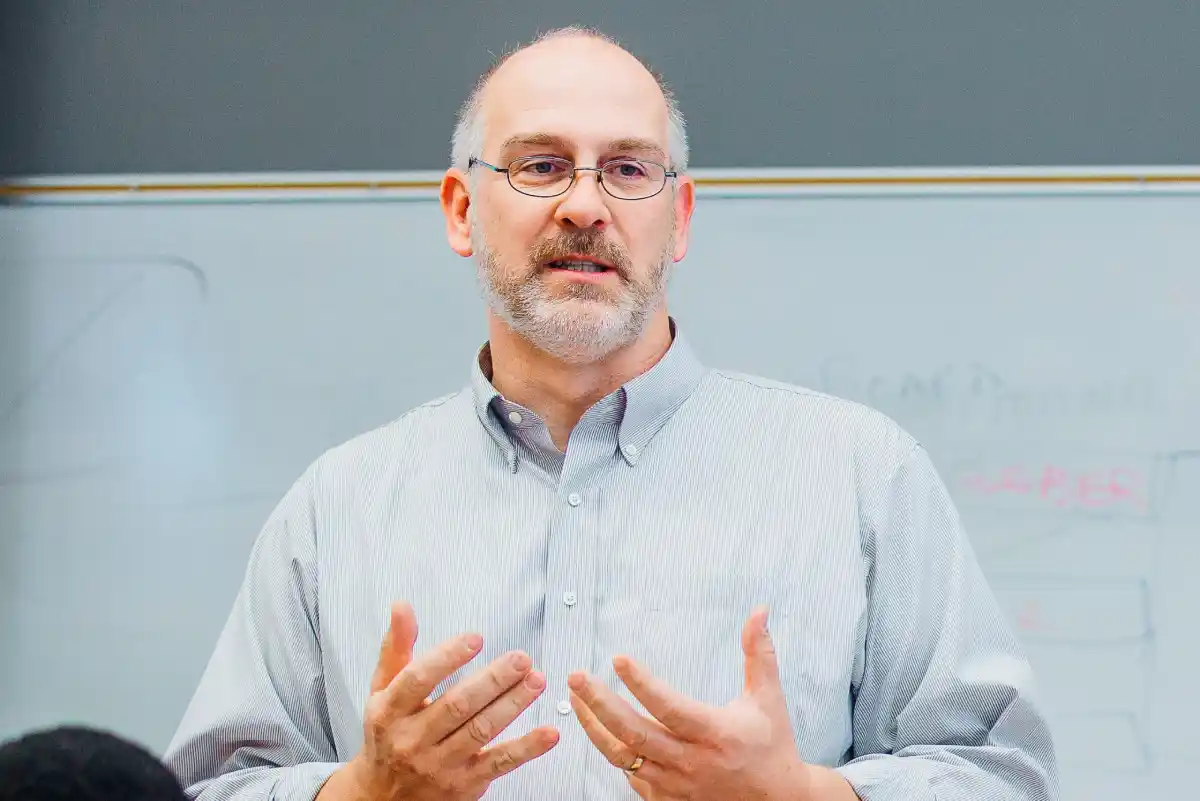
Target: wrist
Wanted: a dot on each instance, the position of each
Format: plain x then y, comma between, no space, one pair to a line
347,783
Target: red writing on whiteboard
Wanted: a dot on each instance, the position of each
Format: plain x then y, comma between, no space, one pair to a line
1061,487
1030,616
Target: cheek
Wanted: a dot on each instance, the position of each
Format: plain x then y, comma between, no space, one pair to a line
512,231
649,235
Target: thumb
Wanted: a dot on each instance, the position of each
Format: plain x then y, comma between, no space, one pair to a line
762,667
396,651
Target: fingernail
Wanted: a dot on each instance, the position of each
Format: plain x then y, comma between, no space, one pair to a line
519,661
474,642
575,682
535,681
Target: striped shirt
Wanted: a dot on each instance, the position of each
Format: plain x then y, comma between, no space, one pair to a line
683,499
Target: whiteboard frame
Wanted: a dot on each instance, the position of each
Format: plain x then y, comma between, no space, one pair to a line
423,185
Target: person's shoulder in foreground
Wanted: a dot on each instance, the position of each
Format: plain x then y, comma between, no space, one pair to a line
80,763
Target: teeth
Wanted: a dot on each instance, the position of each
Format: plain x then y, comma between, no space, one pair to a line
578,266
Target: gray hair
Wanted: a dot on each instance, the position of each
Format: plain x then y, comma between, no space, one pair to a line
469,131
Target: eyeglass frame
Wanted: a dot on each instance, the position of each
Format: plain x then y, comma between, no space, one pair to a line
575,170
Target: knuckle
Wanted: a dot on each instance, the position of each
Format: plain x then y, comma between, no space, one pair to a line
517,701
637,739
453,787
498,679
413,678
375,714
441,779
514,708
618,758
375,730
407,752
480,729
731,742
502,760
458,706
446,783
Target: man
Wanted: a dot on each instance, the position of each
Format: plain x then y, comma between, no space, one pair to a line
594,533
80,763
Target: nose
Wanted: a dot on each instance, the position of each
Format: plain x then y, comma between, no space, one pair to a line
585,204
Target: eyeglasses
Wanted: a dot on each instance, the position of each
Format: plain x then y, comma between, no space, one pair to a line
551,176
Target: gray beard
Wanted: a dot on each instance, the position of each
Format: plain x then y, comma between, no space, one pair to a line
584,326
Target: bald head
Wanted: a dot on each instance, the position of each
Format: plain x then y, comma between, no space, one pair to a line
574,74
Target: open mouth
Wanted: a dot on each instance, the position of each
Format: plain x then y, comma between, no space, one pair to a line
578,266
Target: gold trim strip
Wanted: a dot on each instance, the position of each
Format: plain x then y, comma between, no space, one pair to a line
280,186
945,180
16,190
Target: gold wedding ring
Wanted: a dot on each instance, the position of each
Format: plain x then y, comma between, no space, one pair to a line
637,763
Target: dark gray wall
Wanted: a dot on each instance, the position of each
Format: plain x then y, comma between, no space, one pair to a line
125,86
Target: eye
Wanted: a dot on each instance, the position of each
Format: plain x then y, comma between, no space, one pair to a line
541,167
627,170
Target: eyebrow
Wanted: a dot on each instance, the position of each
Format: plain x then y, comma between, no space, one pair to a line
623,145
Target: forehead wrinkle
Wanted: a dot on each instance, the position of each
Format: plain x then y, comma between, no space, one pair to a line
625,144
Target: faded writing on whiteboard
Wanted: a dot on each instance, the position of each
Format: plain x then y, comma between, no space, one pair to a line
977,390
1062,487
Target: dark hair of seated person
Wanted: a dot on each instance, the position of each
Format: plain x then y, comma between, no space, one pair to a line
80,763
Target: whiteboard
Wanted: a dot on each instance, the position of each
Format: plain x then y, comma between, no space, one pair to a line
170,363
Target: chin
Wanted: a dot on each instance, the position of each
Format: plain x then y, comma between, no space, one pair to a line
584,338
579,353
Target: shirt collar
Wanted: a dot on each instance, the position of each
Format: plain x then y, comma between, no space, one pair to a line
650,399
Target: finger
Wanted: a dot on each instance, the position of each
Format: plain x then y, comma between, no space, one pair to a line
396,650
641,787
653,781
463,701
484,725
616,752
684,717
492,763
641,735
762,664
412,685
620,756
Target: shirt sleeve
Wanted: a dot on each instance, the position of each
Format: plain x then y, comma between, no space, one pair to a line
945,707
257,726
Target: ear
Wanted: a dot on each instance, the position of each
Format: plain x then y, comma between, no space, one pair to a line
456,199
685,204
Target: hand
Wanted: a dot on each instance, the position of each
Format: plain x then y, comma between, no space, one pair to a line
745,750
415,749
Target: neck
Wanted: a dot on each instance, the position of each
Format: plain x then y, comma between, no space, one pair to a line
560,392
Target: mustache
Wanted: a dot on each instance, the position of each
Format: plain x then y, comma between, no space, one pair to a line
584,243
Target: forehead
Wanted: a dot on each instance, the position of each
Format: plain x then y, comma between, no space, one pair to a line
586,92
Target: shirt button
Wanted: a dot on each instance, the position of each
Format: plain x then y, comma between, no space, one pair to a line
574,499
563,707
631,450
515,417
570,598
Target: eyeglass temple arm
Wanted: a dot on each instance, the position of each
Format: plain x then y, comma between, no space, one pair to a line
471,162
